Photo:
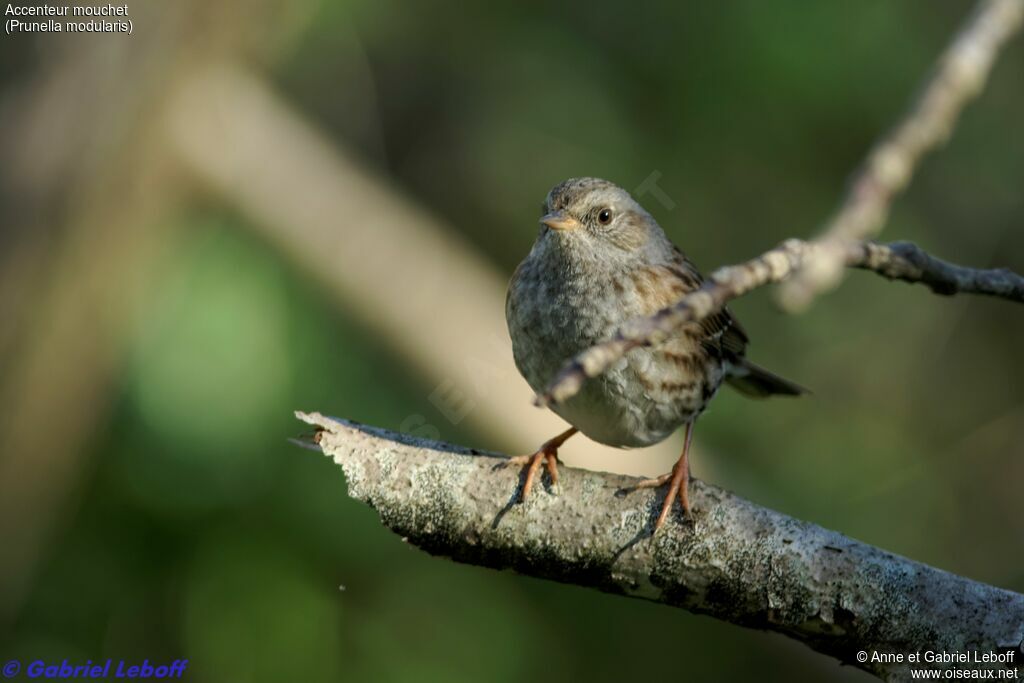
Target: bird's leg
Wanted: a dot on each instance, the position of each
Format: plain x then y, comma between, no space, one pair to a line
680,482
547,453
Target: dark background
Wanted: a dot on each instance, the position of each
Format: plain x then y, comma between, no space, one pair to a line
157,334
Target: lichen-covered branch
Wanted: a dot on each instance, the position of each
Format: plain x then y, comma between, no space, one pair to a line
958,77
900,260
732,559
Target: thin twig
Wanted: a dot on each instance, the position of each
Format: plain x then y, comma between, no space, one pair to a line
900,260
810,267
732,559
958,77
908,262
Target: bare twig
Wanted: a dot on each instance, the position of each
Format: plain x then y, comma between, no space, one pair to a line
958,77
900,260
908,262
810,267
732,560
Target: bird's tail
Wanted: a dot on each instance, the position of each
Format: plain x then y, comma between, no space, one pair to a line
755,381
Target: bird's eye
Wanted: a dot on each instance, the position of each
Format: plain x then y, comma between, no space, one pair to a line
605,217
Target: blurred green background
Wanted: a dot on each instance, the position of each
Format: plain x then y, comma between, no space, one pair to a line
162,320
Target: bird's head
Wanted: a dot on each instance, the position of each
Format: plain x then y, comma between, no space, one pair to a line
596,218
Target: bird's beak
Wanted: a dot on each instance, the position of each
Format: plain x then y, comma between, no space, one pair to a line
558,220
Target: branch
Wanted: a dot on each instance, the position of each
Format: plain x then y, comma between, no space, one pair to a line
899,260
734,560
958,77
908,262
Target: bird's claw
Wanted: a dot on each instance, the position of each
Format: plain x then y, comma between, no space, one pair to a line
532,463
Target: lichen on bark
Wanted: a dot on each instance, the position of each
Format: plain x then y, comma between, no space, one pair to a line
731,559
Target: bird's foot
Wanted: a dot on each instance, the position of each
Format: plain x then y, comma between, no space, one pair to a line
532,464
548,454
679,487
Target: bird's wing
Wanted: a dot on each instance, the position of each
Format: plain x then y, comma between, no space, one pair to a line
724,333
720,332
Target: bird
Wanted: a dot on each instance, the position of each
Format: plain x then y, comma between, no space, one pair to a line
599,261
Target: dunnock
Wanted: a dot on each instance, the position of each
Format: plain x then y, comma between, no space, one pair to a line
599,261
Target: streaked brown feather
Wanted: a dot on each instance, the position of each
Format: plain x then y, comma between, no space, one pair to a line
720,332
723,332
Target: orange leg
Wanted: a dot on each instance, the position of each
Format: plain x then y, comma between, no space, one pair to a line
679,479
547,453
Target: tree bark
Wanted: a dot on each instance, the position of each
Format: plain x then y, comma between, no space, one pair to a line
731,559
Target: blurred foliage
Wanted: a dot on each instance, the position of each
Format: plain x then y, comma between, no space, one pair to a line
201,533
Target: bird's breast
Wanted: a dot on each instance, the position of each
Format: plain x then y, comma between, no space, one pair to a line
553,315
